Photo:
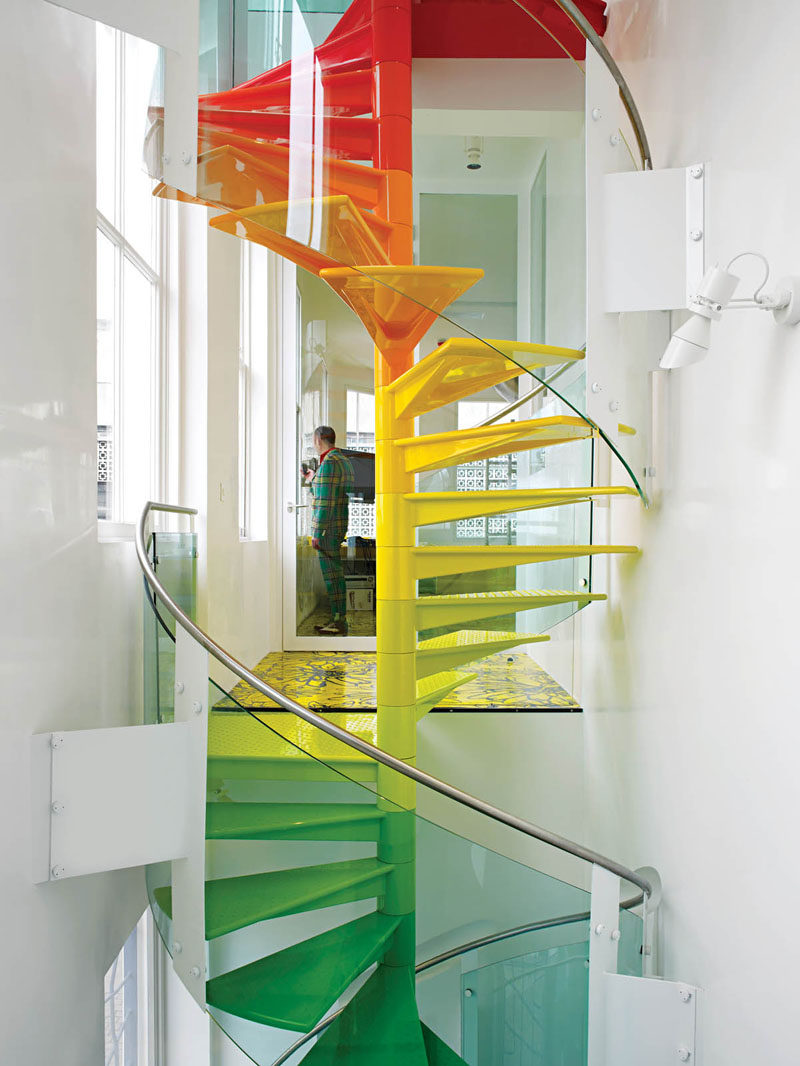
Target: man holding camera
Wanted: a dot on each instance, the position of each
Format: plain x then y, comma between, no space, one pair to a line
330,485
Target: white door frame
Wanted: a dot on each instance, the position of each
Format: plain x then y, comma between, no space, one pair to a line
288,416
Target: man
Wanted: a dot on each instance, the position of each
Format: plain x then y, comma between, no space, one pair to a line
329,486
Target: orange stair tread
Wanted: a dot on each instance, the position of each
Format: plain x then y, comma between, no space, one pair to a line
398,304
334,221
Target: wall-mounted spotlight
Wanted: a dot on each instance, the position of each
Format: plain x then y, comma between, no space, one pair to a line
473,149
691,341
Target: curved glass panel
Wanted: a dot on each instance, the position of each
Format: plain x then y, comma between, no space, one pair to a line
174,558
324,886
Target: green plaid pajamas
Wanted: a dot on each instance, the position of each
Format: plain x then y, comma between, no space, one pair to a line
330,490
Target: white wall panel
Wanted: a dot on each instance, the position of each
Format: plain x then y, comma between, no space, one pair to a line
690,670
71,620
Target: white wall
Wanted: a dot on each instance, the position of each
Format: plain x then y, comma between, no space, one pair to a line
243,588
71,623
690,672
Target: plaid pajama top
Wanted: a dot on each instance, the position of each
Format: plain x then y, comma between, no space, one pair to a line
329,489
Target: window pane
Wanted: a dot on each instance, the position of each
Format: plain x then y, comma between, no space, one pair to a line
106,346
106,121
137,389
141,65
366,413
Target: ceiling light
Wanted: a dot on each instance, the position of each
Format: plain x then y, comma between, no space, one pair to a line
473,149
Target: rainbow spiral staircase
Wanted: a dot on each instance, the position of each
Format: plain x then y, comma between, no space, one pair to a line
313,160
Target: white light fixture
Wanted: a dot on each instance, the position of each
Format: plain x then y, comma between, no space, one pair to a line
473,149
691,341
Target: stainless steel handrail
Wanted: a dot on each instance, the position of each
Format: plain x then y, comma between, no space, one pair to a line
355,742
171,508
454,953
576,16
541,387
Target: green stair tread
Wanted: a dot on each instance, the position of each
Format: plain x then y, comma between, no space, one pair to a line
235,902
265,821
439,1053
378,1027
294,988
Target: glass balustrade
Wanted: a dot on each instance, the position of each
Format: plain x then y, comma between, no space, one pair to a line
315,851
330,877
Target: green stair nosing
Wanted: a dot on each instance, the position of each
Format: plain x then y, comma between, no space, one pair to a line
235,902
259,768
295,987
380,1026
320,821
439,1053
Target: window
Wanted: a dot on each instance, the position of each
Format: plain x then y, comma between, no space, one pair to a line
256,279
360,421
129,994
129,278
497,473
360,435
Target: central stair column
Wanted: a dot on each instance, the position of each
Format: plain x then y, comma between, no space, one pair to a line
395,584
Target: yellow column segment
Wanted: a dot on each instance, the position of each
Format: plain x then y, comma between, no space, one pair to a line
395,594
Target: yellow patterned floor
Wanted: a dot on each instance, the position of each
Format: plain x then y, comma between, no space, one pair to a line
345,681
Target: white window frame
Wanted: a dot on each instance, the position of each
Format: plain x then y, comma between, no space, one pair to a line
256,384
119,525
359,446
146,996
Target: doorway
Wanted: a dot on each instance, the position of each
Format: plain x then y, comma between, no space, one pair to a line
331,383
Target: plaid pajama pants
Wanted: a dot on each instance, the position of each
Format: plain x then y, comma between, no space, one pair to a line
332,567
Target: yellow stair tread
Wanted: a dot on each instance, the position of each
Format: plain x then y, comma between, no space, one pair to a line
281,735
399,304
433,688
511,594
466,638
440,560
337,229
437,450
465,646
462,366
430,508
432,611
442,682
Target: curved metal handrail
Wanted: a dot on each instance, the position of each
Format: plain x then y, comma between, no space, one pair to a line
454,953
353,741
577,17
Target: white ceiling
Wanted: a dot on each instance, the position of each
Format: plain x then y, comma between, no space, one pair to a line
442,158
